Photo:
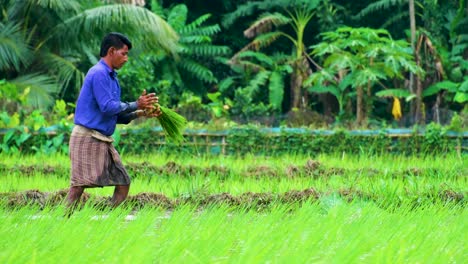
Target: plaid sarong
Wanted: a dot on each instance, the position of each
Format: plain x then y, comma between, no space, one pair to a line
94,162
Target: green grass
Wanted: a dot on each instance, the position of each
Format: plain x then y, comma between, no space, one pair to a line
367,174
323,232
409,222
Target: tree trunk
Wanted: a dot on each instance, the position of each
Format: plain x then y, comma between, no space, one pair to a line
436,108
359,106
418,114
296,85
419,109
369,102
301,71
413,41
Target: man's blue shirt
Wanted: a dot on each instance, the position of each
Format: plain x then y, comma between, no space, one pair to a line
98,106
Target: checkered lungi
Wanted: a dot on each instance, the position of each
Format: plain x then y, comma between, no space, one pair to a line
94,160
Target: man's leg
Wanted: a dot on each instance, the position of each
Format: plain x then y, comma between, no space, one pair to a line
73,197
120,194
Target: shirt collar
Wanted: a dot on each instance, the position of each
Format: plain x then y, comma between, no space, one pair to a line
112,73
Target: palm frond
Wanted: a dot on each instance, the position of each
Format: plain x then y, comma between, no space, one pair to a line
250,8
395,18
199,71
194,24
303,5
226,83
206,31
41,88
169,71
18,9
276,90
177,17
92,58
148,29
379,6
206,50
14,50
57,5
241,66
258,56
66,71
259,80
195,39
244,10
158,9
265,23
263,41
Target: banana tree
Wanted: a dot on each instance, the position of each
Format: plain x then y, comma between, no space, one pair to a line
47,46
360,59
295,14
457,92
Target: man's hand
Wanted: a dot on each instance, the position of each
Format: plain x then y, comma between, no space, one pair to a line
149,113
146,101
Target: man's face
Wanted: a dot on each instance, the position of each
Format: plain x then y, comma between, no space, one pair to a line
118,57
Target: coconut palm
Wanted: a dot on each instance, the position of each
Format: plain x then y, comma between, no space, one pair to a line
47,46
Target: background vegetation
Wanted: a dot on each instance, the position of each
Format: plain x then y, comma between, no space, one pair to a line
289,63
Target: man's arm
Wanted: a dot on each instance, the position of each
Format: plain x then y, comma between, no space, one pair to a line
125,118
106,100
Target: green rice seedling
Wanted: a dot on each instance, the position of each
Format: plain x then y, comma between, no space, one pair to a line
361,178
314,232
172,123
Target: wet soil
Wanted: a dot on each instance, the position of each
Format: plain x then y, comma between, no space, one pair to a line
246,200
311,169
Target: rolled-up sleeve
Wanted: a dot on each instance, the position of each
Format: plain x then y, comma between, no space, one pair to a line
128,107
125,118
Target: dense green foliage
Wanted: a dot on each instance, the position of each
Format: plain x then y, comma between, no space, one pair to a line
434,140
248,60
47,46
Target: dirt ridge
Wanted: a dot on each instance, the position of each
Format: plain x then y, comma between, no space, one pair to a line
247,199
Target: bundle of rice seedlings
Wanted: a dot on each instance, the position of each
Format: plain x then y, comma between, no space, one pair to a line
172,123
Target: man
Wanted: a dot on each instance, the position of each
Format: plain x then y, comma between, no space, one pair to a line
94,160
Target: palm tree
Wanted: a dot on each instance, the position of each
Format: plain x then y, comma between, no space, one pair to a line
295,13
196,52
47,46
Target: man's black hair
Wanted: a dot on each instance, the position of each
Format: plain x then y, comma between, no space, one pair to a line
114,39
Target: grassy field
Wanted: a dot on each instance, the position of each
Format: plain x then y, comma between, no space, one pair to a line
291,209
